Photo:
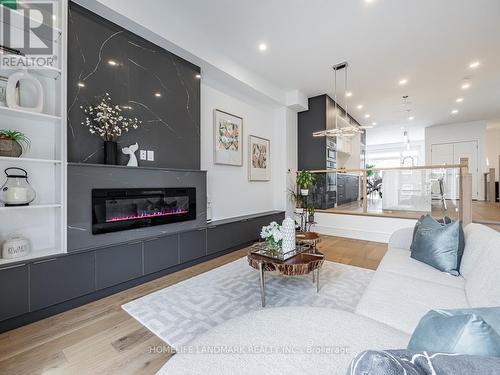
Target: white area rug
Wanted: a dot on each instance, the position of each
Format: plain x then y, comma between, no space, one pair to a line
180,313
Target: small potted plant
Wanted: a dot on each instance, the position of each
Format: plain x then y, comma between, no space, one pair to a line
13,143
310,212
305,180
296,199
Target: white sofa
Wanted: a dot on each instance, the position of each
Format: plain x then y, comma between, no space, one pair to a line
403,289
400,293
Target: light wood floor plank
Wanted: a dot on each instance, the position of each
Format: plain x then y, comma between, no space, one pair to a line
101,338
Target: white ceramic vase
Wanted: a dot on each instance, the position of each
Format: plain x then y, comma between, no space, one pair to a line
25,80
288,230
130,151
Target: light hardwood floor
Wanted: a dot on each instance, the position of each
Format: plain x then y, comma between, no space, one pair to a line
101,338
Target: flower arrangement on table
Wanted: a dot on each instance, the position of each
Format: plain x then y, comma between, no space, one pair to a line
273,234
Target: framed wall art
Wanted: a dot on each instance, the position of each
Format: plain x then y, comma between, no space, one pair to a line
259,160
228,135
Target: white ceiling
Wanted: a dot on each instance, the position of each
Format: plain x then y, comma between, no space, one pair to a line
429,42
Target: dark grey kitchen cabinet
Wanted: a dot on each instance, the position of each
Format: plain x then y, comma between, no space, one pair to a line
14,295
60,279
117,264
161,253
192,245
347,188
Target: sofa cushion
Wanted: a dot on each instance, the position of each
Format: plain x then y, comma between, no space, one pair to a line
400,301
482,282
399,261
392,362
401,239
462,331
437,244
477,237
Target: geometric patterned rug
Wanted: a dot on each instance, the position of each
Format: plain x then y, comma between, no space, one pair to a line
181,312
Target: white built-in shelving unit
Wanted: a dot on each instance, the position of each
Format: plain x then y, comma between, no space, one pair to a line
43,221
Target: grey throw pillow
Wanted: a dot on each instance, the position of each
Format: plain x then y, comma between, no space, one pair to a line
465,331
438,244
404,362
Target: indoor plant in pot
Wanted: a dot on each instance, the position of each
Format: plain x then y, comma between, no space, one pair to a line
13,143
106,121
311,211
305,180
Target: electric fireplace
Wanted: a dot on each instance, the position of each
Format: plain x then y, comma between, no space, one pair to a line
121,209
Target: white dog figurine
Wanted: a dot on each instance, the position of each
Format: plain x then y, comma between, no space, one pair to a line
130,151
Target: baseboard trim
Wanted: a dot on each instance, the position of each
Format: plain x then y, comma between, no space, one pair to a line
353,233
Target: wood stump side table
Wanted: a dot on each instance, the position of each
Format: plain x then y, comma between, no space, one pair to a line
300,264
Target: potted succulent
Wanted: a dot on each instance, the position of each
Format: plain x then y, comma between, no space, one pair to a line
296,199
311,211
106,121
13,143
305,180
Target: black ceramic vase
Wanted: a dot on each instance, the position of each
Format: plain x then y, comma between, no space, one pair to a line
110,148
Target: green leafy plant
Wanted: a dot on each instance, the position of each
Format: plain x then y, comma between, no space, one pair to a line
369,171
16,136
311,211
305,179
295,197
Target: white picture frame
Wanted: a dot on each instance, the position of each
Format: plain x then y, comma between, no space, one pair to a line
259,158
228,136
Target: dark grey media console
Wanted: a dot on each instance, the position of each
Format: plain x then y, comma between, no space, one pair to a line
34,290
98,265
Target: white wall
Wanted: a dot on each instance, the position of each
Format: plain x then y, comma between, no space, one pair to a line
493,148
229,190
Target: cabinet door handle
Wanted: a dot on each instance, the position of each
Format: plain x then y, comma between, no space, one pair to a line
11,267
243,220
200,229
45,261
212,227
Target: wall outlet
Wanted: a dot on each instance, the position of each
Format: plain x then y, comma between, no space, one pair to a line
151,155
142,155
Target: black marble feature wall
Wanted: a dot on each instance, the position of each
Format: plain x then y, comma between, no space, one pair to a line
148,82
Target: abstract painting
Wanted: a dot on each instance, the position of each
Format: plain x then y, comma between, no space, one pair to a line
228,132
259,159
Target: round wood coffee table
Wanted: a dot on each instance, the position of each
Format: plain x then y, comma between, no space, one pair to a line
300,264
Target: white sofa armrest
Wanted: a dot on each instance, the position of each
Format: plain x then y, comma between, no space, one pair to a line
401,239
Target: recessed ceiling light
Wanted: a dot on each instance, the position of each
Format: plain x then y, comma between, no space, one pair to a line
403,81
459,100
474,65
374,123
360,106
262,47
454,112
348,94
411,118
158,94
465,86
81,84
367,115
369,1
112,62
198,76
